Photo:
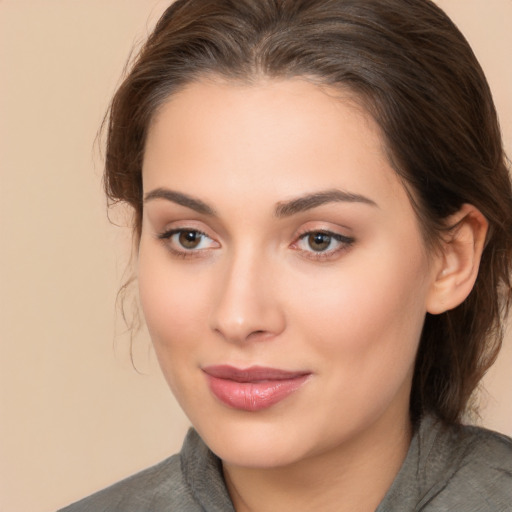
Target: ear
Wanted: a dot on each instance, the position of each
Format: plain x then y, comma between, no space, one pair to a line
456,266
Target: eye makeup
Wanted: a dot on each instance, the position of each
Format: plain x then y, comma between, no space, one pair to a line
187,242
322,244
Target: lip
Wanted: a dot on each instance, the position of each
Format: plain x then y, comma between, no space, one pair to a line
254,388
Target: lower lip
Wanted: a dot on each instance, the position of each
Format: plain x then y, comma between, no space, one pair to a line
254,396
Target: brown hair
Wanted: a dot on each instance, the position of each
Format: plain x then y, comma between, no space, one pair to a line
416,75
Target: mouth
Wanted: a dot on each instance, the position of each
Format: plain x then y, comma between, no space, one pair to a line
254,388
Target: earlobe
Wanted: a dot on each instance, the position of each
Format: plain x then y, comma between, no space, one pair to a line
458,262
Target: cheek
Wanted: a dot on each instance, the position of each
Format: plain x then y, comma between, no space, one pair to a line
370,313
173,307
170,302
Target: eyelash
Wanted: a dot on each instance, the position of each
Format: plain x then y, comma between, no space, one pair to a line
166,238
344,243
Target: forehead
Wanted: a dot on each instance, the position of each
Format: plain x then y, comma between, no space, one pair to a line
269,139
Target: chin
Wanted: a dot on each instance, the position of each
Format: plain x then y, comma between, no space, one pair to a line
254,444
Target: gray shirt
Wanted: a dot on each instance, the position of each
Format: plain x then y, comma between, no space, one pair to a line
447,469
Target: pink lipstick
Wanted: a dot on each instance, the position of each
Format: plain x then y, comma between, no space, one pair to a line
254,388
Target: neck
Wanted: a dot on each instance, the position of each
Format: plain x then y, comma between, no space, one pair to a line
351,477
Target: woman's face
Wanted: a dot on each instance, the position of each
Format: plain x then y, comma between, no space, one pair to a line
282,271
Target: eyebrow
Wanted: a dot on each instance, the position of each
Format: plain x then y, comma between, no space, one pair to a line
309,201
181,199
283,209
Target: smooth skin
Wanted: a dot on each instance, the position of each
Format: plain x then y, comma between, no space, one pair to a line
236,267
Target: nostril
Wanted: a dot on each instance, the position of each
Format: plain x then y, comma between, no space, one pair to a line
241,311
259,335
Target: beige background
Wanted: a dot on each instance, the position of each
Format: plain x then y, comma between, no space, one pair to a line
74,415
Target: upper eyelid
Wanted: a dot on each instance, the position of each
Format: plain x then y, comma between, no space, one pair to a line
326,230
335,226
165,237
169,233
172,231
190,225
336,236
329,255
299,235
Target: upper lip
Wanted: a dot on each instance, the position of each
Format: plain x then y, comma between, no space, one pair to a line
251,374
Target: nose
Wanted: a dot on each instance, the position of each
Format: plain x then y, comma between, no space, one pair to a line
247,305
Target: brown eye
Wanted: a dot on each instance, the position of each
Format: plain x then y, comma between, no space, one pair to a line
189,239
323,245
319,241
188,242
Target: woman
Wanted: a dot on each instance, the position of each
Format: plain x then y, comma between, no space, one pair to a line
323,216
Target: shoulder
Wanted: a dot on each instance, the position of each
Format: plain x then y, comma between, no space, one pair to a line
150,489
465,466
452,468
167,486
